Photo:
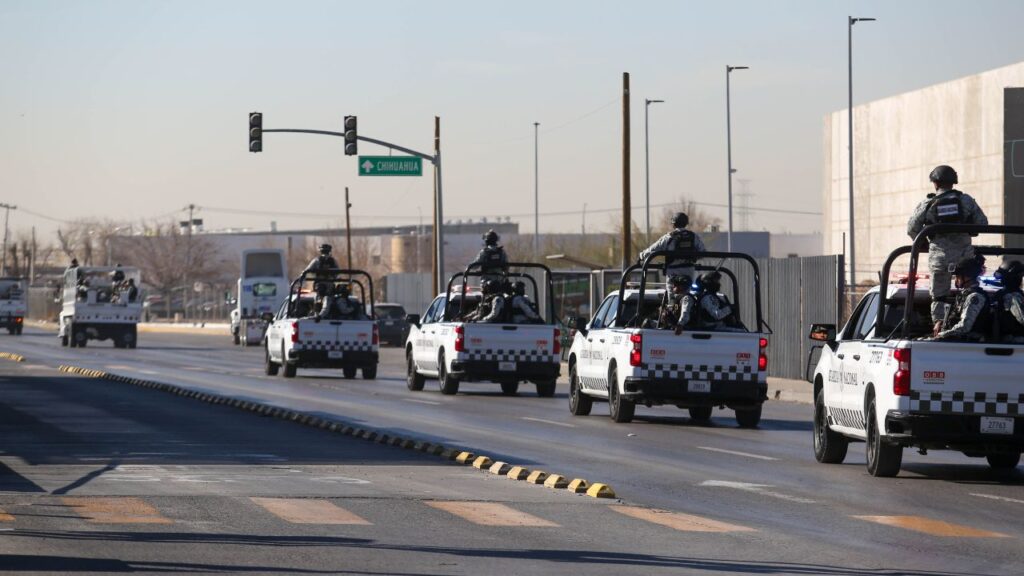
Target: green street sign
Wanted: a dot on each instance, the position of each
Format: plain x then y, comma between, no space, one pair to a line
390,166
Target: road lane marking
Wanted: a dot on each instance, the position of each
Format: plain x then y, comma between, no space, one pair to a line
757,489
115,510
552,422
490,514
735,453
5,517
933,527
430,402
1002,498
309,511
679,521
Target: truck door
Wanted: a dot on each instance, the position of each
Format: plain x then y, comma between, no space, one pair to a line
424,347
596,367
853,354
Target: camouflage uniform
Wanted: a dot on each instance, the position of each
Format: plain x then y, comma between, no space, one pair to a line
671,242
945,250
522,310
968,307
678,312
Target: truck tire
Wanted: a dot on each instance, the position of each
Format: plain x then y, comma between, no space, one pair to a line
69,331
270,368
620,409
829,447
579,403
701,414
234,336
134,331
79,337
19,329
510,387
127,338
413,380
884,460
64,339
449,384
748,417
546,389
1003,461
349,372
370,373
287,370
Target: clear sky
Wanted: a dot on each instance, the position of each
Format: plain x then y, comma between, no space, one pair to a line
133,108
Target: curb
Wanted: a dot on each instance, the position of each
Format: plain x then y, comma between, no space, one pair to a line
12,356
384,437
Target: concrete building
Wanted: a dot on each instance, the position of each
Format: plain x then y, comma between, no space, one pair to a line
975,124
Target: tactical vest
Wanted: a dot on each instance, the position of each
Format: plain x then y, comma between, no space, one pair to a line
1004,321
948,208
682,241
982,324
493,258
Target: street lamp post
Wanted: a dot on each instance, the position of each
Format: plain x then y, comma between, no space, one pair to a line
728,145
849,110
536,193
647,162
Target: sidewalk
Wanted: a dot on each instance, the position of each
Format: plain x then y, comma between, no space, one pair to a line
789,390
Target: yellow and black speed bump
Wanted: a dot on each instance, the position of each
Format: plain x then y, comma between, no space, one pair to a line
458,455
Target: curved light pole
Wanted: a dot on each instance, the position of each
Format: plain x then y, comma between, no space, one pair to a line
728,146
849,110
536,192
647,162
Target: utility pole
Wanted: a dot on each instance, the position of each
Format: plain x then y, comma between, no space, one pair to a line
536,193
728,146
187,290
627,247
647,165
7,217
348,229
849,41
439,282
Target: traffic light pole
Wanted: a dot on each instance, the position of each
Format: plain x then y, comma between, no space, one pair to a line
434,159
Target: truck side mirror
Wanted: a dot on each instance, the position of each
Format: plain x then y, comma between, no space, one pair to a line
413,319
823,332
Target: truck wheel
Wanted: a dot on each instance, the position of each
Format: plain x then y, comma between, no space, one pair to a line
270,368
349,372
127,339
546,389
370,373
700,414
413,380
579,403
234,336
1003,461
64,339
69,333
449,384
289,370
883,459
620,409
79,337
134,332
19,329
510,387
829,447
748,417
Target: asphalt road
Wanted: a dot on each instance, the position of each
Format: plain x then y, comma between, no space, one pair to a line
781,512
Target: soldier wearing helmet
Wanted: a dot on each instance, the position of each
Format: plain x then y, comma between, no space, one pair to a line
323,261
524,311
714,312
680,241
492,258
969,318
1008,302
492,303
946,206
678,306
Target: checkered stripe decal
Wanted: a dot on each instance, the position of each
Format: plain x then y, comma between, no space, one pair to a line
698,372
331,345
499,355
1002,404
847,417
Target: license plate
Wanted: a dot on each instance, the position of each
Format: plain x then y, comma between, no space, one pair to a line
335,354
506,366
990,425
698,386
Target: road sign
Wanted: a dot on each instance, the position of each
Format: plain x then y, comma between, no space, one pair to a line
390,166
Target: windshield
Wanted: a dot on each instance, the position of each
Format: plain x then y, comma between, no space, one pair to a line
390,312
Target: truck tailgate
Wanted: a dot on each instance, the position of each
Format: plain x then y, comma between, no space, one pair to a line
966,378
718,356
510,342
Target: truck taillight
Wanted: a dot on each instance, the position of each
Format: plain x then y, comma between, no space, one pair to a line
901,379
762,354
376,334
636,354
557,348
295,331
460,338
19,320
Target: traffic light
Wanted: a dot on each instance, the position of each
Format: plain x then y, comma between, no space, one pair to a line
351,138
255,132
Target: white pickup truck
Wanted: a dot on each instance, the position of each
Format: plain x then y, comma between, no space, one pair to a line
878,381
98,305
12,305
303,335
442,346
618,358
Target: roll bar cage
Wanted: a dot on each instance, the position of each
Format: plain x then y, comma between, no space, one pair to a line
644,267
475,269
335,276
919,245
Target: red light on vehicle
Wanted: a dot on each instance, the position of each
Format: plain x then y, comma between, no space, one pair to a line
901,379
762,343
557,348
295,331
636,354
460,338
19,320
762,356
376,334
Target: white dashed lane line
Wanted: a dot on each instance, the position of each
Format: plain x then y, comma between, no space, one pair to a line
552,422
735,453
430,402
1000,498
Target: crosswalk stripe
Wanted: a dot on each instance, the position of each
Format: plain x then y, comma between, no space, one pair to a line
679,521
490,514
309,511
931,526
125,510
5,517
